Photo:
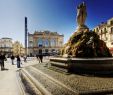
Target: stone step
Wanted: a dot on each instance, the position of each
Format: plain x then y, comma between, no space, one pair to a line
55,83
55,68
46,84
63,65
58,66
27,84
52,79
82,84
20,84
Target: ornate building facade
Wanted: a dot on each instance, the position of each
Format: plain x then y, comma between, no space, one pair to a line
105,31
18,48
6,45
44,42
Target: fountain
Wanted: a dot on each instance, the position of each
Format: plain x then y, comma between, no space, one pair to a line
84,51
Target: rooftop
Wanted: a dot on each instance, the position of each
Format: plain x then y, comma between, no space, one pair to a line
47,32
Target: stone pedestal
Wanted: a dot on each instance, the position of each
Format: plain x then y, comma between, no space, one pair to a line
101,65
82,28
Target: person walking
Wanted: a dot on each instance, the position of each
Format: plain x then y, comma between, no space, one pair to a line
1,62
2,59
12,59
18,61
37,56
41,58
25,58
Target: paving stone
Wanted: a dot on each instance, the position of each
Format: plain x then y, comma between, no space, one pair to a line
78,82
51,86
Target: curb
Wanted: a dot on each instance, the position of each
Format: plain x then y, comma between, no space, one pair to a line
36,83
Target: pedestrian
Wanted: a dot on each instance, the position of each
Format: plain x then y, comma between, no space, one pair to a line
18,61
25,58
2,59
41,58
12,59
37,56
1,62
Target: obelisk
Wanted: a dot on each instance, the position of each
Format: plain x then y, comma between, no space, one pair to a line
26,36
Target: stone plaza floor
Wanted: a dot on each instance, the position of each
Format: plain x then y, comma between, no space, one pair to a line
8,79
81,83
55,82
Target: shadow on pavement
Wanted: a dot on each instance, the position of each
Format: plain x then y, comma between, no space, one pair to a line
5,69
104,74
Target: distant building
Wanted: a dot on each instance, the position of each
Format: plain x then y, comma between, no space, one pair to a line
105,31
18,48
6,45
44,42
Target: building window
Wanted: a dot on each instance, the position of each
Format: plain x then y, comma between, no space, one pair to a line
111,22
46,50
30,43
40,42
105,30
61,43
101,31
53,50
112,37
111,29
112,43
53,42
46,42
96,30
4,45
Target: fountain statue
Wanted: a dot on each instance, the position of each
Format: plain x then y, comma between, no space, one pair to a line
84,50
84,43
81,14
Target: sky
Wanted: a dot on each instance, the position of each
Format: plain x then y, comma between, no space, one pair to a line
54,15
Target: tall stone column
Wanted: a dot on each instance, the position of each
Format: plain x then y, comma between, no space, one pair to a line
26,36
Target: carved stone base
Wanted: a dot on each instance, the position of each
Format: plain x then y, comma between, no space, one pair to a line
82,28
91,65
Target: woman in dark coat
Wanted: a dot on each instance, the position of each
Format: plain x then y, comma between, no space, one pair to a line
18,61
2,59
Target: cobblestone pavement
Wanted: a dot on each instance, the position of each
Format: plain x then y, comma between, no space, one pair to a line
79,82
51,86
8,80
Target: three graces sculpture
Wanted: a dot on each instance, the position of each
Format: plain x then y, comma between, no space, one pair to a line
81,14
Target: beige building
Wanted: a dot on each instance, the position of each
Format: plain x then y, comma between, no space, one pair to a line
6,45
44,42
105,31
18,48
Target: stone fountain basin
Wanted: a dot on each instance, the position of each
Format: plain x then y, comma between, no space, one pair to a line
89,64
